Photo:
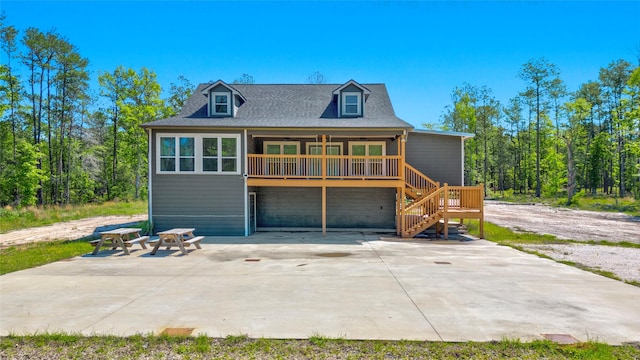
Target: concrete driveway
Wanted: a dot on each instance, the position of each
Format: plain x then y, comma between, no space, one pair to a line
347,285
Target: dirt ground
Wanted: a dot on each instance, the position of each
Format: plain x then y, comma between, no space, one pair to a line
564,223
70,230
578,225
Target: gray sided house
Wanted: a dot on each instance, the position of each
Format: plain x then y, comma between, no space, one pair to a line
246,158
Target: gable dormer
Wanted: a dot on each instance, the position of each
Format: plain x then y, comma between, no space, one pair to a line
351,98
224,100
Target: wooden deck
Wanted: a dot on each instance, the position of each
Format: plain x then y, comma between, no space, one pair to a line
425,202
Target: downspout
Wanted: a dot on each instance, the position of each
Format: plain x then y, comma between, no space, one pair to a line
245,176
149,181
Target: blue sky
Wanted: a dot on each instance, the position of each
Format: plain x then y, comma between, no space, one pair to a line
421,50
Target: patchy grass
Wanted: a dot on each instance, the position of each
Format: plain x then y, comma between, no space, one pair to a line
518,241
13,219
505,236
22,257
70,346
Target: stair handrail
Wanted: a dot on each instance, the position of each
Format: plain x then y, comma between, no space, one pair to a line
423,202
438,192
415,179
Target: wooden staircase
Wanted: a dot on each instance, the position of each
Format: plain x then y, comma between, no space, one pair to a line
426,202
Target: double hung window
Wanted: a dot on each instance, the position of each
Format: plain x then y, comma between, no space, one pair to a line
351,104
221,103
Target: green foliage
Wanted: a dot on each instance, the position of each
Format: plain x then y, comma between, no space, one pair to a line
20,179
202,347
22,257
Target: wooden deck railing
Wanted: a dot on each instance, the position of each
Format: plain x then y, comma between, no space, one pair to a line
464,197
319,167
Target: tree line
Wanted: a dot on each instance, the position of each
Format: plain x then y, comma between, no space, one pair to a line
62,142
56,145
549,141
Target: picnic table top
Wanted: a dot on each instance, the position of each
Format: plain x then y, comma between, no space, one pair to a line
120,231
177,231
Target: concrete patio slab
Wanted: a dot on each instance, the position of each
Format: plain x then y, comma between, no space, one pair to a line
348,285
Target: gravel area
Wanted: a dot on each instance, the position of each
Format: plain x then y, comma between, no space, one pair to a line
563,223
623,262
577,225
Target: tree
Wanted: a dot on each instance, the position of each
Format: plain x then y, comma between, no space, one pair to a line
317,78
573,132
12,89
178,95
539,75
114,87
631,114
591,92
513,114
245,79
614,79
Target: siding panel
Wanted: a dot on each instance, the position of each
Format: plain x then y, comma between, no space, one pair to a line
361,208
213,204
289,207
346,207
437,156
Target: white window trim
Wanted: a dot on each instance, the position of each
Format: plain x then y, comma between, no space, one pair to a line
198,153
344,103
367,143
367,162
309,144
213,103
281,143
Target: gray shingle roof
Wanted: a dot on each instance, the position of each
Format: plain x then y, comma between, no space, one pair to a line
290,106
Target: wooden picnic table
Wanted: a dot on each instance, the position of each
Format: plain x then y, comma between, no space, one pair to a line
180,237
121,237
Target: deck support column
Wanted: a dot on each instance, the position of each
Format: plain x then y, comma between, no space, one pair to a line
324,210
446,211
324,187
401,174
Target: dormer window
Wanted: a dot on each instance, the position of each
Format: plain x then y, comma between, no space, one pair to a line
351,98
351,104
221,103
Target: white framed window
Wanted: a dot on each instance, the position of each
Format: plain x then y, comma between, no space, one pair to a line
284,162
198,153
371,163
333,164
351,103
220,103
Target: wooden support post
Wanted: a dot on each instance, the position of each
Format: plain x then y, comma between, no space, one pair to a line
324,210
403,189
399,216
446,211
324,157
481,211
324,187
